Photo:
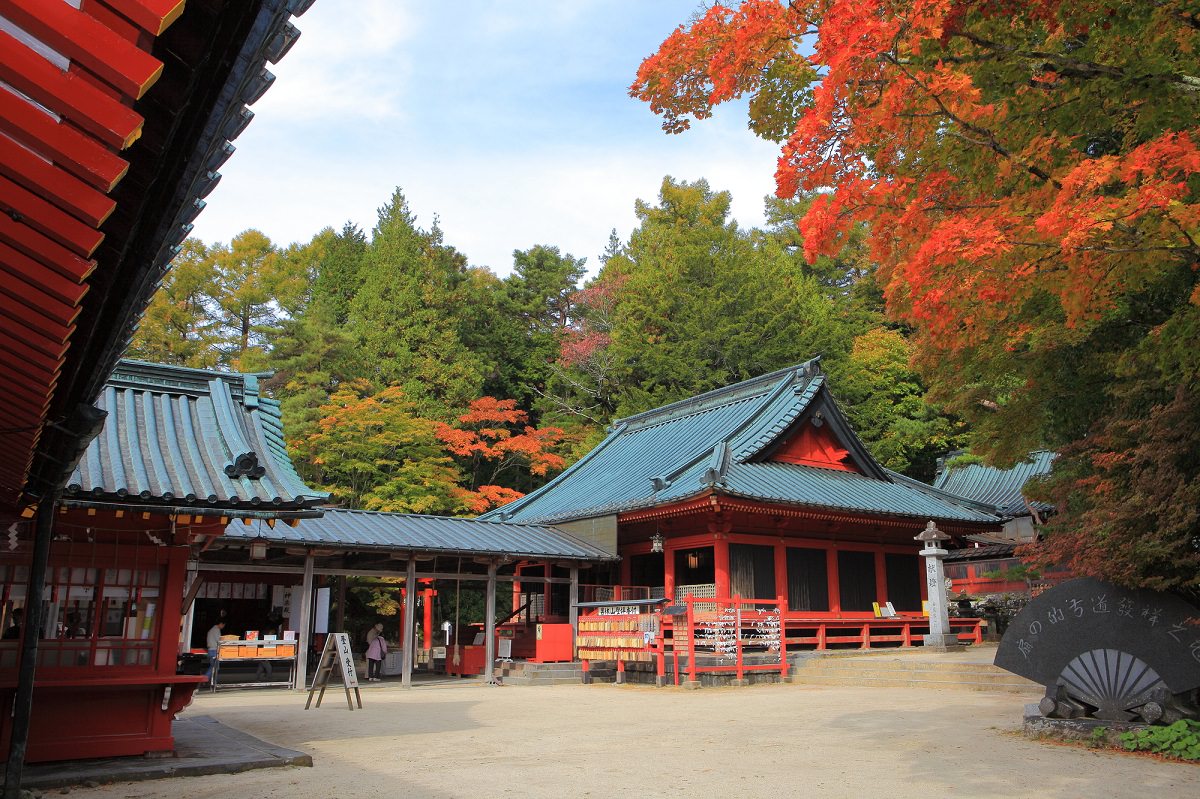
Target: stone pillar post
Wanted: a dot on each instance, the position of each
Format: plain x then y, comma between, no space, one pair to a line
304,628
410,613
489,627
573,601
940,638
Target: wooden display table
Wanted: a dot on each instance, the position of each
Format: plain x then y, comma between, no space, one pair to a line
256,652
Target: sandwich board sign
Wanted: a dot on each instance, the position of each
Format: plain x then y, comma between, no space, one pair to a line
336,655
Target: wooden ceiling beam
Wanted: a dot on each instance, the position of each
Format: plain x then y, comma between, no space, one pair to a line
21,267
52,222
152,16
45,250
72,195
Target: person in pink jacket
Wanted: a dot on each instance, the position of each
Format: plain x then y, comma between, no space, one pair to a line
376,649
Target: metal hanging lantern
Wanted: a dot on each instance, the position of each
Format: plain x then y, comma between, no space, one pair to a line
656,542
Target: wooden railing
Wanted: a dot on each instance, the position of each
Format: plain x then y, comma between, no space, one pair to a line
735,636
907,631
736,626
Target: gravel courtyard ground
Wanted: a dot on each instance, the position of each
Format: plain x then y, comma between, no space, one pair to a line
472,740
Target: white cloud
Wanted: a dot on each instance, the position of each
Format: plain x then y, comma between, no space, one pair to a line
510,121
489,206
345,65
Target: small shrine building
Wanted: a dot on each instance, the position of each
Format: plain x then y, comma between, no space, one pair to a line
982,566
183,453
759,490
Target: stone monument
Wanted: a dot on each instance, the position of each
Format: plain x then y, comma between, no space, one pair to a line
1106,652
940,638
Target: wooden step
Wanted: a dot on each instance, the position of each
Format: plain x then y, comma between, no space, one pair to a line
900,680
890,670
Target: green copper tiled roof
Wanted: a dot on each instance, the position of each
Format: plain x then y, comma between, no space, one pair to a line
720,442
189,438
999,487
415,533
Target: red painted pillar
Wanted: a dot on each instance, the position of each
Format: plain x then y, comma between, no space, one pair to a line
880,579
669,574
691,639
171,598
835,584
626,571
721,564
781,582
516,589
783,661
427,620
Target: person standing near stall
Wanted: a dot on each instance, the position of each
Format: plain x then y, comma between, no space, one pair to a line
376,650
212,644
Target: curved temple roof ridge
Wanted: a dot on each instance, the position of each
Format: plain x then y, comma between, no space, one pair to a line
725,443
403,532
745,389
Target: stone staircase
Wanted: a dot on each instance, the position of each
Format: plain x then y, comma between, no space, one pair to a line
523,673
889,670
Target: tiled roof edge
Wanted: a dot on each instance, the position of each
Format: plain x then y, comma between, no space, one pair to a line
946,496
720,396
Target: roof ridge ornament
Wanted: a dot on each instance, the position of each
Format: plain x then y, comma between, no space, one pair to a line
245,464
718,465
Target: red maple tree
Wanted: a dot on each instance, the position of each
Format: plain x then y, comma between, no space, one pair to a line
1029,175
492,438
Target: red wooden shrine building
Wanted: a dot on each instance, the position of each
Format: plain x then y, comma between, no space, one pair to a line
759,490
183,452
115,116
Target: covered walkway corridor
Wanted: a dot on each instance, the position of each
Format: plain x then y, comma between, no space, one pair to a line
285,564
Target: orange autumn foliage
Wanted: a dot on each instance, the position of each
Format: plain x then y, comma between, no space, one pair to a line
491,438
1023,166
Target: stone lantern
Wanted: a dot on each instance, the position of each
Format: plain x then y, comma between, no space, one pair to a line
940,638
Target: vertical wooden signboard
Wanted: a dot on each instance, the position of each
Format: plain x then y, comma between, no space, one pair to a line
336,655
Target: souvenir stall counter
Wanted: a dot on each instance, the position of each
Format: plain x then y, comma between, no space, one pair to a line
107,681
255,652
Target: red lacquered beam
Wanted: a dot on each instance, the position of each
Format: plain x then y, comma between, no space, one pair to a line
32,347
21,267
68,95
154,16
27,366
87,42
56,185
37,323
48,220
36,300
46,251
76,152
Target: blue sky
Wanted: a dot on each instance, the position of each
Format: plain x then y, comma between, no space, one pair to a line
508,120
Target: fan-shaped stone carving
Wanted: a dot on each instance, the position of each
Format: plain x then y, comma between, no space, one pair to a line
1111,681
1107,652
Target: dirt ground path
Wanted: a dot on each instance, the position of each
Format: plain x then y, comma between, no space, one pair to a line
472,740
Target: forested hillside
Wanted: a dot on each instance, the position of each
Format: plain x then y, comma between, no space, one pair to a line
413,381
